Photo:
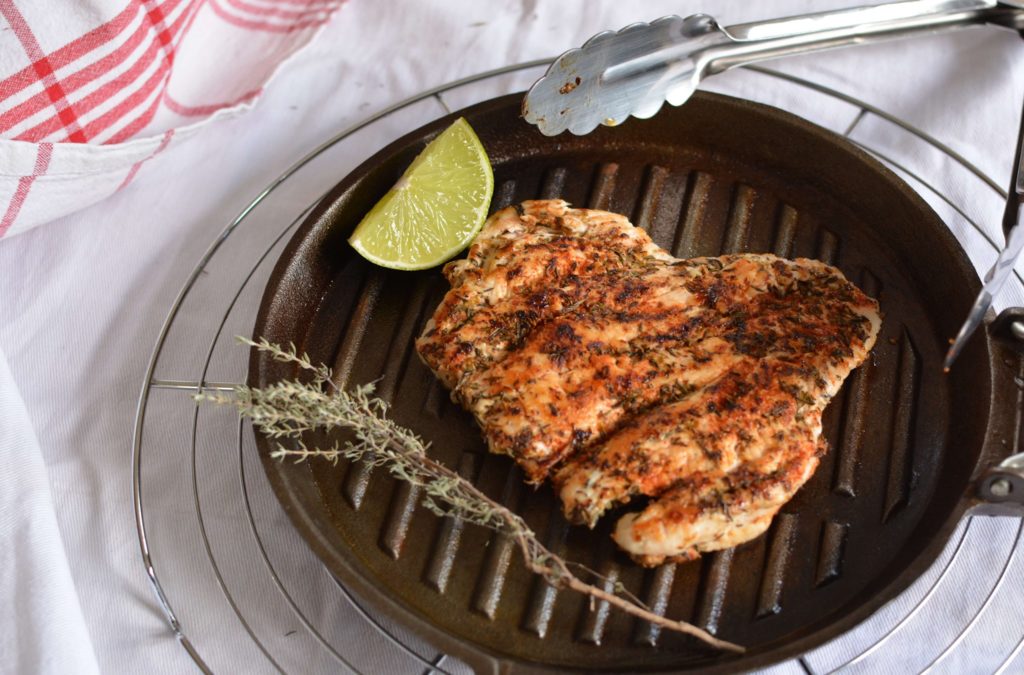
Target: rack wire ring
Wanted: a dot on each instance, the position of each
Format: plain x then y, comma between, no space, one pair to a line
201,383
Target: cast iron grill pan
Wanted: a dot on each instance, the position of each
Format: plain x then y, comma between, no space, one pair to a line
718,175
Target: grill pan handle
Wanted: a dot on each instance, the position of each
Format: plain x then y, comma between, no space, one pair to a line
1001,489
998,488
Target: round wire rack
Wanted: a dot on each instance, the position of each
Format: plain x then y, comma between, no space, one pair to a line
242,593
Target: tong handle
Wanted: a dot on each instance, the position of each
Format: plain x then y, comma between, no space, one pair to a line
826,30
851,18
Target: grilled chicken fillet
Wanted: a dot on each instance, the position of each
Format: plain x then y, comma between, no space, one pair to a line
602,363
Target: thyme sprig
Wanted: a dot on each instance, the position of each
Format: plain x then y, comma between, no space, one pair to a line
290,408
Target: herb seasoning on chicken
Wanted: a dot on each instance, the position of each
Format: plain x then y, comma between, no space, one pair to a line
600,362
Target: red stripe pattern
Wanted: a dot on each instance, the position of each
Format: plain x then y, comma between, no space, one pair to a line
114,70
164,142
44,70
103,83
24,185
68,53
71,83
260,19
208,109
115,55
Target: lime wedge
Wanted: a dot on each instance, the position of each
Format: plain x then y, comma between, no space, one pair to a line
436,207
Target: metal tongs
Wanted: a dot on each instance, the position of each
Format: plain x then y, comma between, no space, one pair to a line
1003,267
635,70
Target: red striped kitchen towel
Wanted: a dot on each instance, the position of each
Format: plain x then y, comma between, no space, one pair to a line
92,89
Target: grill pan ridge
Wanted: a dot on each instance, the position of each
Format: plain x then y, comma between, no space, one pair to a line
717,175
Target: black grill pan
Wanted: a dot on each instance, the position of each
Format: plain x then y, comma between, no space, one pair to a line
717,175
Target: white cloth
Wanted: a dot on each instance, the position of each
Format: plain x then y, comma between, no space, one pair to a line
43,627
82,299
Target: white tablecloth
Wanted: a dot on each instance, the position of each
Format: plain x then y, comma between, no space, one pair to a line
82,299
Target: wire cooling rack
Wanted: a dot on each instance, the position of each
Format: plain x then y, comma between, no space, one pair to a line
242,593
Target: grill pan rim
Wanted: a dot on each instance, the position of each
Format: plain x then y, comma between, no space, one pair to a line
284,478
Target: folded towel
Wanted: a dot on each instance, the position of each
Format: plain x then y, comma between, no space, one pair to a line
91,90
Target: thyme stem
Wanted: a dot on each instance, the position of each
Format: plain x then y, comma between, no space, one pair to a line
291,408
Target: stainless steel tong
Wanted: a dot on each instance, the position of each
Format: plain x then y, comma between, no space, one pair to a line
635,70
